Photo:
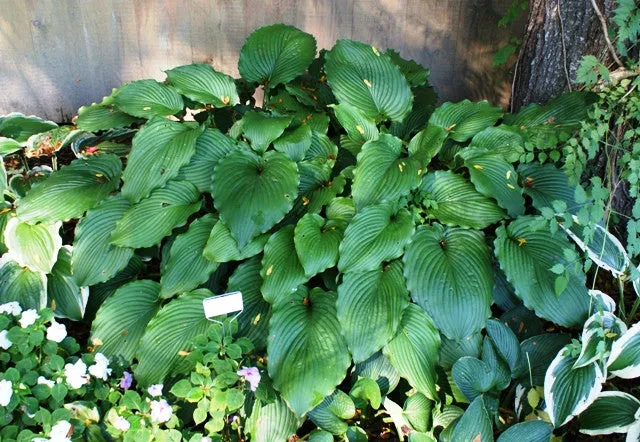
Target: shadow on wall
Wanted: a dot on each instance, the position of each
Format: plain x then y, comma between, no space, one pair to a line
57,56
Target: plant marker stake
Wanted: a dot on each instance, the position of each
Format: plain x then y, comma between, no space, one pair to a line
222,305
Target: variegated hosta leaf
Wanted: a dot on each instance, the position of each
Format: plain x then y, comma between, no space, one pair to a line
276,54
624,360
569,391
414,351
362,77
75,188
147,98
384,172
380,296
8,146
22,285
526,256
158,151
121,320
453,200
598,334
378,233
282,271
186,268
611,412
33,246
252,192
202,83
317,241
70,300
95,259
147,222
307,354
465,119
449,275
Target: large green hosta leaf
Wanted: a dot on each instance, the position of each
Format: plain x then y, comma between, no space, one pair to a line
475,424
102,117
495,178
449,275
384,172
221,247
566,110
531,431
33,246
378,295
262,129
526,256
158,151
317,242
19,284
378,233
358,126
545,183
282,271
427,143
169,335
94,258
146,223
569,391
307,354
273,422
276,54
147,98
295,143
186,268
202,83
465,119
252,192
69,192
503,140
211,146
8,145
454,201
121,320
332,412
414,351
317,187
361,76
20,127
69,298
254,320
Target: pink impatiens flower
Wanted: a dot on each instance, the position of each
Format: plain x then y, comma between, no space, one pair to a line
251,375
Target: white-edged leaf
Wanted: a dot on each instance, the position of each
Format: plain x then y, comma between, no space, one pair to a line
624,360
380,296
611,412
33,246
449,275
414,351
598,333
95,259
202,83
20,127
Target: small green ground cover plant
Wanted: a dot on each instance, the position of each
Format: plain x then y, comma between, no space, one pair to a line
389,251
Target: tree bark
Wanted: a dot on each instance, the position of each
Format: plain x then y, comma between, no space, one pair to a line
558,34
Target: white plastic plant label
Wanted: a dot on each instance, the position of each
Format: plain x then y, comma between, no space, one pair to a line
223,304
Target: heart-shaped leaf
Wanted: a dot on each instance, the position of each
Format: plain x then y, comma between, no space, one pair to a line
449,275
252,193
33,246
307,354
221,247
147,98
331,413
94,258
414,351
475,424
546,183
262,129
358,126
473,376
378,233
153,218
272,422
362,77
282,271
276,54
202,83
22,285
465,119
317,241
74,188
380,296
384,172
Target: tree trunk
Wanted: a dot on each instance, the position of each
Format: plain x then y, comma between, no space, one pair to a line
558,34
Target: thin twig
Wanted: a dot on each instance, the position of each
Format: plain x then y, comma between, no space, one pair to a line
564,49
605,31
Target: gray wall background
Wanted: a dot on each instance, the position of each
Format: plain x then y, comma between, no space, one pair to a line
57,55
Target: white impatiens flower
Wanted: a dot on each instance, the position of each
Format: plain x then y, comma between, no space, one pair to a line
5,343
121,424
60,432
101,368
6,391
12,308
56,332
155,390
161,411
28,318
205,439
76,374
44,381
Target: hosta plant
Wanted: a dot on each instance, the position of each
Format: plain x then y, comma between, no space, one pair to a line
369,231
